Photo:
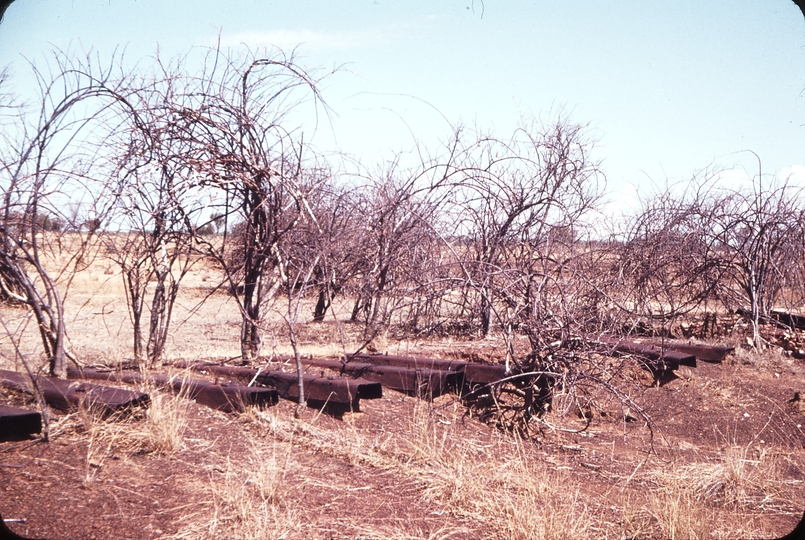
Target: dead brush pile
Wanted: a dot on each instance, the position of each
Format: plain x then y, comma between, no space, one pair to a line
566,379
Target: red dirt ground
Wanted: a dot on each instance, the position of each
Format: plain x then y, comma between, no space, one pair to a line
72,488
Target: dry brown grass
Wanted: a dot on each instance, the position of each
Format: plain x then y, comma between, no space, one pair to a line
247,501
500,484
709,499
495,484
158,429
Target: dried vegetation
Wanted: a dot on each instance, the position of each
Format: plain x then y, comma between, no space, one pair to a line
208,227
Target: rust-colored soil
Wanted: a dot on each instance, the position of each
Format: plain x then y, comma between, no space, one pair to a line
386,472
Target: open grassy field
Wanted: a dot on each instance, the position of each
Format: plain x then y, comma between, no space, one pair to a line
723,458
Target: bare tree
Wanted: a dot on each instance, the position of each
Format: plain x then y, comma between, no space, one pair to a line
233,125
333,240
159,207
398,210
295,267
51,157
669,264
153,248
518,202
710,243
405,278
759,229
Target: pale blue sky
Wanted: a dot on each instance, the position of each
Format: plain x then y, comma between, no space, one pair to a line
668,88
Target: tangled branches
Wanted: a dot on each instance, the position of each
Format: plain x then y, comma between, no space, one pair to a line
560,387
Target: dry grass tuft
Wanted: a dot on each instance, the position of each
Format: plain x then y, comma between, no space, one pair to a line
735,480
679,514
410,532
159,429
165,423
246,501
712,499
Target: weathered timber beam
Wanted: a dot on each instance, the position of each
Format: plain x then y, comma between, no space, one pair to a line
16,423
66,395
221,397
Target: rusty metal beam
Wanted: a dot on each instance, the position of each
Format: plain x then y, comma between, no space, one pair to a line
789,319
707,353
411,362
17,423
474,373
422,382
68,395
658,358
660,361
222,397
335,394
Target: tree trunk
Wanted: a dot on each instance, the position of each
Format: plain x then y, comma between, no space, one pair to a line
486,315
757,341
300,382
321,306
136,321
157,325
356,309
